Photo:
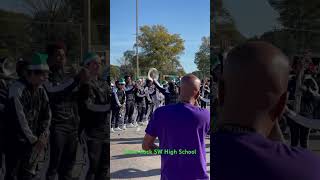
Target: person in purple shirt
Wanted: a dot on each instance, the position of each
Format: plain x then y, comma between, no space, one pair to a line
248,143
181,129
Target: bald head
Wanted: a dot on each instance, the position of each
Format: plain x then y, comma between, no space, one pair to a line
255,82
190,88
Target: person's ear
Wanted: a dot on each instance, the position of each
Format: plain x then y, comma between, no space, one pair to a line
279,107
221,92
197,95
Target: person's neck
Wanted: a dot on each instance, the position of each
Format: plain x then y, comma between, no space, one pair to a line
242,121
187,101
56,69
31,86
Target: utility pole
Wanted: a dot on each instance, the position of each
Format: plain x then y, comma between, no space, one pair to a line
137,33
87,26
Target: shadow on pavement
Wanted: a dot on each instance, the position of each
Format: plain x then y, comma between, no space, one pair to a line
136,142
134,173
314,137
126,139
123,156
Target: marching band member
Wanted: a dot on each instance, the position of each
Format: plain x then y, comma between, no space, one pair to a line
150,92
141,102
94,105
130,103
118,104
62,89
171,93
30,117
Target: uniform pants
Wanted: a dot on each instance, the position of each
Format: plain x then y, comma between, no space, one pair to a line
149,111
141,112
116,117
298,133
63,154
129,112
99,160
17,160
203,104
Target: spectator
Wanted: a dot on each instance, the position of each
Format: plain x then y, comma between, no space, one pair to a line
181,128
247,144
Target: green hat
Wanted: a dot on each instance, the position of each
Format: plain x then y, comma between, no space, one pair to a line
121,81
91,56
39,62
164,82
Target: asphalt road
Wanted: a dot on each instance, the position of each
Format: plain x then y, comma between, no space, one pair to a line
136,166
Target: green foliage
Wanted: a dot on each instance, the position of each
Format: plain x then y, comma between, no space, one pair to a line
202,58
301,23
159,49
114,72
225,32
14,39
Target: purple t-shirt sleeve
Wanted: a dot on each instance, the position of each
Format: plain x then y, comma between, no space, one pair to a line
152,127
207,121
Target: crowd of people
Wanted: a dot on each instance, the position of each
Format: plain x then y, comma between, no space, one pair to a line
144,97
256,92
46,110
46,107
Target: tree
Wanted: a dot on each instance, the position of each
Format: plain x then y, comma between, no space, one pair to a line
159,49
14,36
301,19
202,57
114,72
225,32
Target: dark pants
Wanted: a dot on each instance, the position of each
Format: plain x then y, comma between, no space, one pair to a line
149,111
63,153
203,104
298,134
17,161
129,112
99,159
141,112
115,121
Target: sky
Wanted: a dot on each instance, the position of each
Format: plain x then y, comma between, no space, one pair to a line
189,18
253,17
13,5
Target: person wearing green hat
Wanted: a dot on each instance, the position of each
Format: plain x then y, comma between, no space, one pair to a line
140,96
94,105
130,89
118,105
30,117
62,90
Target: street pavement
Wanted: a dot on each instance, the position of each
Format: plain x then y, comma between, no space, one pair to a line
136,166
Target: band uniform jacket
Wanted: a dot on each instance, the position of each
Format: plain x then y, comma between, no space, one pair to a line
170,97
118,99
94,106
130,91
30,112
63,94
140,97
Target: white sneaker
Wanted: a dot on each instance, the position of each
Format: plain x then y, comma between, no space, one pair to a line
124,127
135,124
140,123
112,130
118,129
130,125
